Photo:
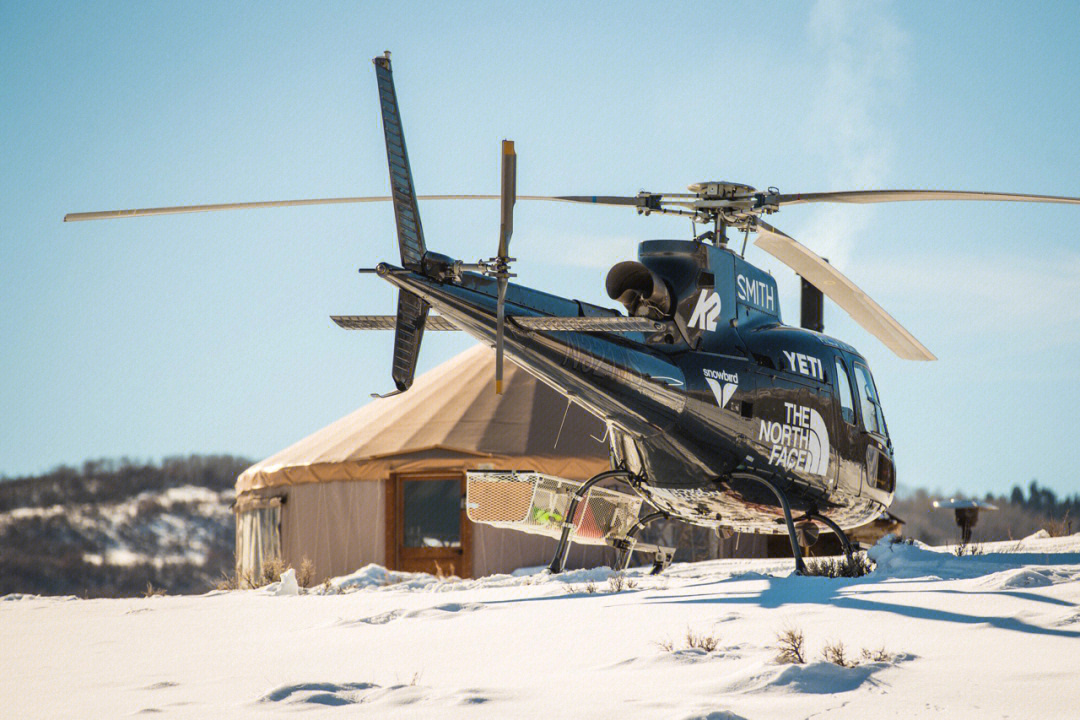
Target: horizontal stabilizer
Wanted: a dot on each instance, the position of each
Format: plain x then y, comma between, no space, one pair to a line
590,324
386,322
568,324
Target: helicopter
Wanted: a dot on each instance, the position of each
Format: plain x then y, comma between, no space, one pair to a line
718,413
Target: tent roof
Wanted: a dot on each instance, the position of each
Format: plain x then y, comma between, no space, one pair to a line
450,418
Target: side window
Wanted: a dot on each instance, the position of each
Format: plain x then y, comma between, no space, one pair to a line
873,418
843,387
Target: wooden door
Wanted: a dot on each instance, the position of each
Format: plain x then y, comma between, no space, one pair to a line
427,530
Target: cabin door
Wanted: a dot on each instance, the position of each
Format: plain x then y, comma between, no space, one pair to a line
427,530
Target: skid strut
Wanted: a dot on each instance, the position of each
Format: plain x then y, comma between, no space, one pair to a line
558,563
836,529
800,566
626,544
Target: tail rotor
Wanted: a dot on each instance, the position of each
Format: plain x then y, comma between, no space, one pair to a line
501,263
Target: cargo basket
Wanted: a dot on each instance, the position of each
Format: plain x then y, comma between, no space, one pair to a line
536,503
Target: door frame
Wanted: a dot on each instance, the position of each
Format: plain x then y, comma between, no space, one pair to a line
395,510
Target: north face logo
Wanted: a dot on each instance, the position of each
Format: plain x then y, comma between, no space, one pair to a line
706,311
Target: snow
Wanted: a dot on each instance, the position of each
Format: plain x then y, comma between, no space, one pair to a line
287,585
988,635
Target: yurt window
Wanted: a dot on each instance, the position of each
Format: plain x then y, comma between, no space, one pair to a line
258,536
432,513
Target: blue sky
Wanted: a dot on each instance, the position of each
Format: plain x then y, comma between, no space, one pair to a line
210,332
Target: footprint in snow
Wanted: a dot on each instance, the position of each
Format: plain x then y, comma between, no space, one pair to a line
380,619
446,610
317,693
439,611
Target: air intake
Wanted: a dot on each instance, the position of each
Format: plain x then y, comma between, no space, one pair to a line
639,289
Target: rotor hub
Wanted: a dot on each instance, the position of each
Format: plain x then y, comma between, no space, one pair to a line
721,190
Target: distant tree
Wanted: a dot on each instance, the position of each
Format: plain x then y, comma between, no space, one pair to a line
1017,497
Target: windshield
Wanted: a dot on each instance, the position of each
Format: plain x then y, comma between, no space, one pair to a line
873,418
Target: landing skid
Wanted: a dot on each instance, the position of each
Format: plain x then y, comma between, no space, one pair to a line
626,545
836,529
566,510
800,566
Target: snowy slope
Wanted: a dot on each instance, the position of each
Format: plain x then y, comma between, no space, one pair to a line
175,525
989,636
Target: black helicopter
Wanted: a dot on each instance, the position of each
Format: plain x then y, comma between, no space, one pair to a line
718,413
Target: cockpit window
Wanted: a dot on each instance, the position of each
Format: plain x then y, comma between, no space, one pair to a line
843,388
873,418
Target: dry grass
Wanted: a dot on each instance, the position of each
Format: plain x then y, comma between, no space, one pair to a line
967,548
152,591
230,582
270,572
879,655
305,574
1059,528
701,641
790,642
835,653
619,582
839,567
691,641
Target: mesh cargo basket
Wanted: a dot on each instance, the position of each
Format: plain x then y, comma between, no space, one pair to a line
536,503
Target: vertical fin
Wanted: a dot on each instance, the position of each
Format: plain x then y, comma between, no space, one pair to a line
412,310
410,233
408,332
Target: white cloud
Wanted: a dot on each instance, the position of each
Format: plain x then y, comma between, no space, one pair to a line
864,56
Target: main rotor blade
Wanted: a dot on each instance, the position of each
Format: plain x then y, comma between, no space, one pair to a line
180,209
860,306
882,196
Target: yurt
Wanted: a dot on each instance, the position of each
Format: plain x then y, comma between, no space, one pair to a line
386,483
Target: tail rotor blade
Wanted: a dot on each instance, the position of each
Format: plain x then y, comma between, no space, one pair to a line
500,323
509,196
502,260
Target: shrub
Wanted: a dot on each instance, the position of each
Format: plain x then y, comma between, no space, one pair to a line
839,567
692,641
1059,528
879,655
619,582
790,645
270,572
966,548
305,575
695,641
836,654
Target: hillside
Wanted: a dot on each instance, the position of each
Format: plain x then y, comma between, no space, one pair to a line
112,527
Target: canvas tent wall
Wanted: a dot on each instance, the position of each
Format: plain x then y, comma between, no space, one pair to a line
336,495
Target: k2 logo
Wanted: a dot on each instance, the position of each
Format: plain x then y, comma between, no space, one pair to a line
706,311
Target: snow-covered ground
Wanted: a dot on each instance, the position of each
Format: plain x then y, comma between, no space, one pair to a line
993,635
